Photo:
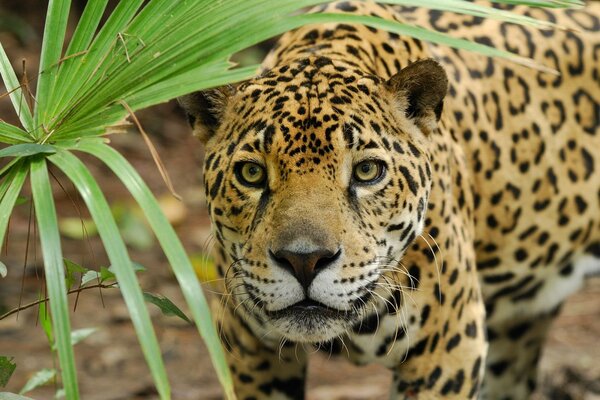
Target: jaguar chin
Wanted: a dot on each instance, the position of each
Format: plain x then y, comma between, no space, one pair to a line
309,321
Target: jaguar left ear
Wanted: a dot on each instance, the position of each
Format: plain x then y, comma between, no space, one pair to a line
205,110
420,89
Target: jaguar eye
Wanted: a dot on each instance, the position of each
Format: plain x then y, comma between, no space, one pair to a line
369,171
251,174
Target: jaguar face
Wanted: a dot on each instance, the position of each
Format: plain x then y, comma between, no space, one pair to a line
317,182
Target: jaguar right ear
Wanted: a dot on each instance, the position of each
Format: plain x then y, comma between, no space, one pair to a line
419,89
205,109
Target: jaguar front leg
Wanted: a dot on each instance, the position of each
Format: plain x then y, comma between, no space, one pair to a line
447,354
515,348
260,370
444,364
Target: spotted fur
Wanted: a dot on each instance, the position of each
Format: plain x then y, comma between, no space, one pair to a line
486,215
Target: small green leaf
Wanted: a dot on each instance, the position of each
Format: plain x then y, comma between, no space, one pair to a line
74,267
106,274
80,334
3,270
40,378
27,149
7,367
60,394
90,276
46,323
166,306
71,269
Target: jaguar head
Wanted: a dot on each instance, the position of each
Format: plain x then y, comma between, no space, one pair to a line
317,177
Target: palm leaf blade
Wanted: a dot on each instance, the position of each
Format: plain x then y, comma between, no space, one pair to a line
84,33
11,134
102,49
9,191
54,34
174,251
54,270
15,91
117,253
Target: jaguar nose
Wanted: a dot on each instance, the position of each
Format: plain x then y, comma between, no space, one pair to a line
305,265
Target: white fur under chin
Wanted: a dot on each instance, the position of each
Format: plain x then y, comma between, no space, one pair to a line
309,330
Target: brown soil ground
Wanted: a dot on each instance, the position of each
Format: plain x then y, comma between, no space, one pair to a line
110,363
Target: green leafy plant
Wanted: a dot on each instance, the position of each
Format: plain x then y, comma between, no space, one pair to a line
87,279
7,367
40,378
147,52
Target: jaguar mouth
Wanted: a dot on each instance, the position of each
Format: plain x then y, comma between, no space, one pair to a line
310,321
308,308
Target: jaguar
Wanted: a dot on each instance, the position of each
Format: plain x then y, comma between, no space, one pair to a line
404,203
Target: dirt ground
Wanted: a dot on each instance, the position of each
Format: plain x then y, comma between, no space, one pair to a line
110,363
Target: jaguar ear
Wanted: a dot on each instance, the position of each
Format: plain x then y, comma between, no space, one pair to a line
205,109
420,89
